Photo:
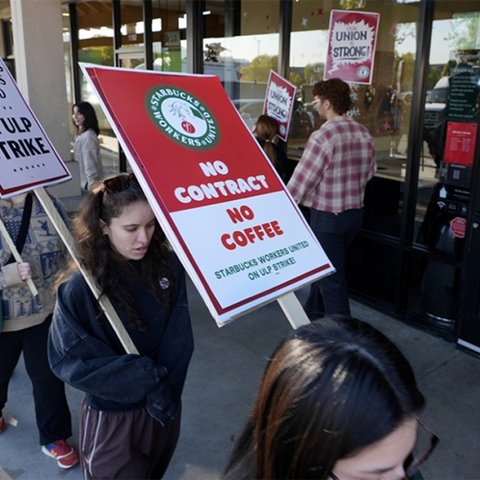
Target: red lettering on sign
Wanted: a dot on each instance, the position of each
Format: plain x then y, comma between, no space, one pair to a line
241,238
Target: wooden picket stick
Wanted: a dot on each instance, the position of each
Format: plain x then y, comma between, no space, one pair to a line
16,255
293,310
104,302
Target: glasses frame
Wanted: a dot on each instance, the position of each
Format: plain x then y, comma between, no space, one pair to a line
412,469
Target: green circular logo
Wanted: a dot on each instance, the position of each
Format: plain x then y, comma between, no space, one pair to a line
182,117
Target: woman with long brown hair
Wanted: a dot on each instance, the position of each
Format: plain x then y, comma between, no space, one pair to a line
130,418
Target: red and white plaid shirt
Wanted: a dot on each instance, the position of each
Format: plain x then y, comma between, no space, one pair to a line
335,167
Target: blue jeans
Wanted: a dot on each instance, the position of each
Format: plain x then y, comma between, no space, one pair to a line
335,232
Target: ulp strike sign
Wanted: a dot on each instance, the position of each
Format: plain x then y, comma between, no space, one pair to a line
27,158
218,199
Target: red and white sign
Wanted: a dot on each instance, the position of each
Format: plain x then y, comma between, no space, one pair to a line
220,202
351,46
458,227
460,143
279,100
27,158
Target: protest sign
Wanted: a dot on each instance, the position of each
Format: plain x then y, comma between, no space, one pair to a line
220,202
28,161
351,46
27,158
279,100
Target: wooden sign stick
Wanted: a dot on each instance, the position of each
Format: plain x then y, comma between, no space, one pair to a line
104,302
16,255
293,310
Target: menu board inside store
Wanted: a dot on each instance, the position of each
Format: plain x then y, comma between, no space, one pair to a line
463,95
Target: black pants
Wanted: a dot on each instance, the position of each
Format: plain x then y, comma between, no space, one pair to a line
335,234
51,408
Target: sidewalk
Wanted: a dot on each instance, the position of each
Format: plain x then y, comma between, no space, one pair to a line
224,374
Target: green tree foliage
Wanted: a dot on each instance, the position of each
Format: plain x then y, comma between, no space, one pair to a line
96,55
465,31
295,78
259,68
314,72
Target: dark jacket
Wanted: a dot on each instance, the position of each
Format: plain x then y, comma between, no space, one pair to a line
85,352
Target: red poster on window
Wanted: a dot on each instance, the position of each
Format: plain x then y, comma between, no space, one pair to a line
351,46
460,143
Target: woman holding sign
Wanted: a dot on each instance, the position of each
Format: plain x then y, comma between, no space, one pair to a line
130,417
26,319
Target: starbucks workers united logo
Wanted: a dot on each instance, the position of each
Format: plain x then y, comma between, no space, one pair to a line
183,118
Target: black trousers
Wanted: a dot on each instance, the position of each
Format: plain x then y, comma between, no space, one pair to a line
51,407
335,232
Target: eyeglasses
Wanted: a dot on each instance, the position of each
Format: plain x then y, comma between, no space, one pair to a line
119,183
424,447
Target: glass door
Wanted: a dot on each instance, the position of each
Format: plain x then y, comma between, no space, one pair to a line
440,283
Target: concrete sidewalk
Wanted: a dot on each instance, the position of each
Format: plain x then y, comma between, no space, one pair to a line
224,375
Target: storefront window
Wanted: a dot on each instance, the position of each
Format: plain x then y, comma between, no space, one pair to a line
95,36
383,106
243,56
445,175
452,96
169,25
67,58
131,53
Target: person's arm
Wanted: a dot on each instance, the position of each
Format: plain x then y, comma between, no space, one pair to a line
174,353
90,364
309,171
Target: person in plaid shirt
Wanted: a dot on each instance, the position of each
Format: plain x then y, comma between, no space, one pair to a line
330,179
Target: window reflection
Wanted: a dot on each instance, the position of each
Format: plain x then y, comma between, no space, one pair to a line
95,33
445,178
243,55
169,23
384,107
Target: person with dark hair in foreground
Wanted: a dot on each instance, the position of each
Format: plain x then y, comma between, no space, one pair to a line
338,401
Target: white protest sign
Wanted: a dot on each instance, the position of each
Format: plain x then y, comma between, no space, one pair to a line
279,99
27,158
351,46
